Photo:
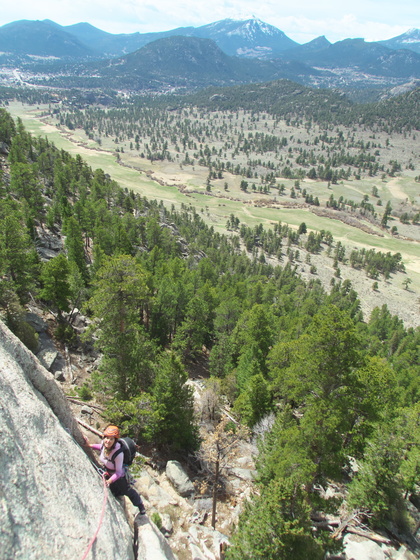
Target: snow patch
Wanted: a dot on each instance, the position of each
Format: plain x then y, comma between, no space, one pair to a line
255,52
410,41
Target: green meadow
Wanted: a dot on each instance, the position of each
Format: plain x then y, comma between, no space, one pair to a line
176,185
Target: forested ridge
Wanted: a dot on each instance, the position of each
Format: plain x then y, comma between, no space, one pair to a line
283,98
164,290
289,100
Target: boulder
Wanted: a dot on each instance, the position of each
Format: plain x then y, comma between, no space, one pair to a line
47,357
359,548
78,321
196,553
152,544
51,496
244,474
46,254
179,478
59,375
49,240
86,410
415,500
404,554
205,542
167,525
47,353
203,504
245,462
36,322
59,364
156,495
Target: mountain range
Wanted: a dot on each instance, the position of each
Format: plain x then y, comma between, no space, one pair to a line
250,38
372,58
224,53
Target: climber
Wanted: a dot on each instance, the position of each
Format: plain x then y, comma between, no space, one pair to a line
111,457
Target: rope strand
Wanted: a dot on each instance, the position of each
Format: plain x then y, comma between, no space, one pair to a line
101,518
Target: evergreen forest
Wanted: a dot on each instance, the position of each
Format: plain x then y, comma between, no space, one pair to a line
321,387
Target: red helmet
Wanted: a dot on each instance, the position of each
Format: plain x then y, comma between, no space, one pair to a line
112,431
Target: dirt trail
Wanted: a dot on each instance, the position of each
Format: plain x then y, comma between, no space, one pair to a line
395,190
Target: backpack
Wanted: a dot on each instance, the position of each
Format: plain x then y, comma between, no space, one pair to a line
128,447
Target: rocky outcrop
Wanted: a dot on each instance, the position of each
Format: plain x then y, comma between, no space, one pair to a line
152,544
47,353
50,494
359,548
48,244
179,478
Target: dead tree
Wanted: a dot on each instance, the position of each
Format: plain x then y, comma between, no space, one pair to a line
217,452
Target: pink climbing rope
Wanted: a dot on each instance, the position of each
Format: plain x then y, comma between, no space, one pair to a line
101,518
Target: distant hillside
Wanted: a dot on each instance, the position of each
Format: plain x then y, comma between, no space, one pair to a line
251,38
192,58
40,38
94,38
401,112
174,60
289,100
281,97
356,53
179,62
191,63
302,52
114,45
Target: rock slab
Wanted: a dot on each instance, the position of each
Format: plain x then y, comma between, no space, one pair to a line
50,494
179,478
152,544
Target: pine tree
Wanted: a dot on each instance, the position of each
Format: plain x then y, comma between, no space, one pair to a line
56,288
75,246
118,304
276,526
174,422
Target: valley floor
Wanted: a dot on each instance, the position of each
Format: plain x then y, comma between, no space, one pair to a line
178,185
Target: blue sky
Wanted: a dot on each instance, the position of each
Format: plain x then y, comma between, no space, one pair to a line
301,20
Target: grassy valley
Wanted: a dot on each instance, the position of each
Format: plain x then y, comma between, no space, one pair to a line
254,166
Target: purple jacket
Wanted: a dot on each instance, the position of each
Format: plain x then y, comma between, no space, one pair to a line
114,467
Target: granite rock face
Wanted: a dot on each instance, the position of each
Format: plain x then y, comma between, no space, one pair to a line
50,495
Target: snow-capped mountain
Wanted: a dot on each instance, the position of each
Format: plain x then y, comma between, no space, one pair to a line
251,38
408,40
